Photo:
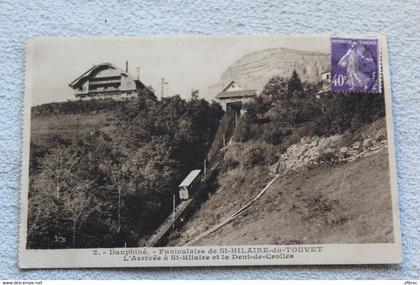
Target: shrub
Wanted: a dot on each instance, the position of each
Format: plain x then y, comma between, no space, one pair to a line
253,157
258,154
288,141
274,133
327,159
247,129
231,163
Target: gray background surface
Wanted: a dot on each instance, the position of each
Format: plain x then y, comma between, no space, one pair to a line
399,19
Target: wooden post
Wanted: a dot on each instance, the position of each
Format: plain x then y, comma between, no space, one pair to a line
77,128
205,167
173,211
224,140
162,88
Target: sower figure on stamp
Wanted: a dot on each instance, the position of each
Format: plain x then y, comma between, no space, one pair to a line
351,61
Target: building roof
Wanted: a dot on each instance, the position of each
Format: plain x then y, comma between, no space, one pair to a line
233,90
235,94
232,86
76,82
81,79
190,178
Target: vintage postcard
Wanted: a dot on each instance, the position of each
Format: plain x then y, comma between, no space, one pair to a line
208,151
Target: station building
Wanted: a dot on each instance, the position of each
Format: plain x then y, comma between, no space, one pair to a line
233,97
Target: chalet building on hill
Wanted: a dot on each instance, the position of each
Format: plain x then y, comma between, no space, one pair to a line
109,81
326,83
233,97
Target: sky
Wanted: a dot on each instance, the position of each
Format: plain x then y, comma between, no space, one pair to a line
186,63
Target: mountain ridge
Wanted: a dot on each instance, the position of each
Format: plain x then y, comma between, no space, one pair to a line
253,70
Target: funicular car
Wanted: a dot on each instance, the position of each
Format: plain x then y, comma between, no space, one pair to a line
187,185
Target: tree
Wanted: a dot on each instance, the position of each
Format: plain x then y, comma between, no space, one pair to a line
77,207
276,88
311,88
294,84
57,190
47,228
58,170
119,179
194,94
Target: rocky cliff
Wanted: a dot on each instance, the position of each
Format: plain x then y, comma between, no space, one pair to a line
253,70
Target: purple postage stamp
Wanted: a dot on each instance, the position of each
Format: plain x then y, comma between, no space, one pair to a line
355,65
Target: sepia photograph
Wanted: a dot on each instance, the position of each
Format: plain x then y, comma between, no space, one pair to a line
139,147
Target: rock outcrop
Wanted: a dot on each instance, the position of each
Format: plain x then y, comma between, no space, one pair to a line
311,151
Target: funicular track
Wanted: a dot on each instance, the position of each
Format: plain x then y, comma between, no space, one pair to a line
212,166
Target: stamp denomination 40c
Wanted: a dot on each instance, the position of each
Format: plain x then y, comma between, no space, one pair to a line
355,65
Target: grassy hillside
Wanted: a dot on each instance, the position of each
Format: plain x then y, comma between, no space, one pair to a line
72,118
68,126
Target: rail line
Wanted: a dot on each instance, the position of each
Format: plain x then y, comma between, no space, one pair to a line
235,214
166,225
212,165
